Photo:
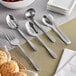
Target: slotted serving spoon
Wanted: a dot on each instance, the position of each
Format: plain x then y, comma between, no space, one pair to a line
31,31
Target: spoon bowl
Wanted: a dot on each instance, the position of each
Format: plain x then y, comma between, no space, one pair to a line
48,21
11,21
30,30
30,13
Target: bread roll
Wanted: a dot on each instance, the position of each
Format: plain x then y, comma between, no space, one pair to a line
3,57
9,67
19,74
0,74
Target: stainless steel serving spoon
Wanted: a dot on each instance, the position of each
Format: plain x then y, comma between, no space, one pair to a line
48,20
29,14
32,32
12,23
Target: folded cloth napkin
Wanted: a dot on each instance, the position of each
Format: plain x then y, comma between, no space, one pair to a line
61,6
67,65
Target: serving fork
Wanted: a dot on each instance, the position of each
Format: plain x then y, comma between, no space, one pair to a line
14,41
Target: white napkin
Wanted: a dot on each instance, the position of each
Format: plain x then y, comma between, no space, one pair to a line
67,65
61,6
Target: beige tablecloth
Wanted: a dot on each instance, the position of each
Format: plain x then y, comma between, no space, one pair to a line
42,57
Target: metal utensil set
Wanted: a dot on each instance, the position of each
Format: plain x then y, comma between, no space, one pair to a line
30,26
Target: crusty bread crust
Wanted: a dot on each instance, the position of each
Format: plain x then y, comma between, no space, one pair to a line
21,66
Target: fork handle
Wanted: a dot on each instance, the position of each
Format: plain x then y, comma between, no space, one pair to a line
52,53
29,42
27,55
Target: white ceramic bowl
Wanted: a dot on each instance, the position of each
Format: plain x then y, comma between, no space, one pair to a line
17,5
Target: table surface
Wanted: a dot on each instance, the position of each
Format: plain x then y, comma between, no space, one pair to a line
41,56
40,7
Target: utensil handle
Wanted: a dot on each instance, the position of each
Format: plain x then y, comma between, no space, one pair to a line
50,37
62,35
30,43
47,34
53,54
27,55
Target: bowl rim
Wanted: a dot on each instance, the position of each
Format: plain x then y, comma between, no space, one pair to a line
12,2
17,5
17,1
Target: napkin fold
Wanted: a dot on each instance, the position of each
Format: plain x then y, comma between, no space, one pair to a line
61,6
67,65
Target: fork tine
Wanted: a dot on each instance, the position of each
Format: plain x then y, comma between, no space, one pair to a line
13,35
9,37
1,34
